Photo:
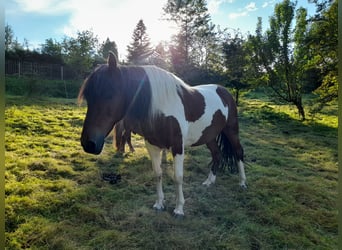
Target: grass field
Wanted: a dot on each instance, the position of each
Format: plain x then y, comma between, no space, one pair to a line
56,198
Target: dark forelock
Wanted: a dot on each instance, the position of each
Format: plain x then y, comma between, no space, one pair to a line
100,84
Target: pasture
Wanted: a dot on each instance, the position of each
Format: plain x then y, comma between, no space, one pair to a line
56,198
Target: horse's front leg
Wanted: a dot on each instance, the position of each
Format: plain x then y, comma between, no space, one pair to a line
178,167
155,154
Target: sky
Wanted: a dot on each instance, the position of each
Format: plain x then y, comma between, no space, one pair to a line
38,20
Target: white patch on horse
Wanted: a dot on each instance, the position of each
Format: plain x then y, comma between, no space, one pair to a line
212,104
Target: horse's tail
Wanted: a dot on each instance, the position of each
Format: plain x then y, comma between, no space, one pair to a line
230,154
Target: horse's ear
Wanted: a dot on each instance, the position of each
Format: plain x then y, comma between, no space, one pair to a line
112,61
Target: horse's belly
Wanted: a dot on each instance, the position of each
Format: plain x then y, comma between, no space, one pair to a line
194,133
202,135
205,130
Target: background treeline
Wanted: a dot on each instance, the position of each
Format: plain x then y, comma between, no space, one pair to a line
296,55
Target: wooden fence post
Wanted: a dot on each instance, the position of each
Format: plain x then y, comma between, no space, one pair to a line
19,68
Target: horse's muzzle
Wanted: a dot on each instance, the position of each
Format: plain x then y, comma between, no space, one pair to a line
92,147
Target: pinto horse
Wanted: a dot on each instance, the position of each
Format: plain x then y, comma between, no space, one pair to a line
167,113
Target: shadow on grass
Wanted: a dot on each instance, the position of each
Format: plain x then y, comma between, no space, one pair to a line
285,126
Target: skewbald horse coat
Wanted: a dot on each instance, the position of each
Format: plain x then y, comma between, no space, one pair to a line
168,113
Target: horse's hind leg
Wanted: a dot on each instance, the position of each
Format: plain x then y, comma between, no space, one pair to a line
233,137
155,154
216,157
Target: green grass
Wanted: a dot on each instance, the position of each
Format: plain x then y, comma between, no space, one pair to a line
56,199
34,86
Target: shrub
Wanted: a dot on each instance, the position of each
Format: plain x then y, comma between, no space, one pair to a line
34,86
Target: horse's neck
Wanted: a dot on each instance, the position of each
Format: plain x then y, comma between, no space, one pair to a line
137,92
132,115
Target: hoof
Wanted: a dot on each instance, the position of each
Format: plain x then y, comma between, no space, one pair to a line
158,210
158,207
178,216
208,183
243,186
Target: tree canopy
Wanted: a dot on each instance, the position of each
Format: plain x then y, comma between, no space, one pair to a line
323,50
296,55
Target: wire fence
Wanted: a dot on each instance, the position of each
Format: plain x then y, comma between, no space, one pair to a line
45,70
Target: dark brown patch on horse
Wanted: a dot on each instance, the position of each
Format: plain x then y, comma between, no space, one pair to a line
163,132
191,99
210,132
228,100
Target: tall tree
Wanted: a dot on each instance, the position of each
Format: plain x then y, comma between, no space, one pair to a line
107,46
80,52
278,66
160,56
140,48
193,46
235,63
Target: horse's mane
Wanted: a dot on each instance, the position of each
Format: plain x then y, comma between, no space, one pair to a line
165,88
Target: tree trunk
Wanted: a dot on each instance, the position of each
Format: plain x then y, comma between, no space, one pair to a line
300,108
237,97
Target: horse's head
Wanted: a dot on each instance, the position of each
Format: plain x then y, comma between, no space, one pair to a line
104,92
